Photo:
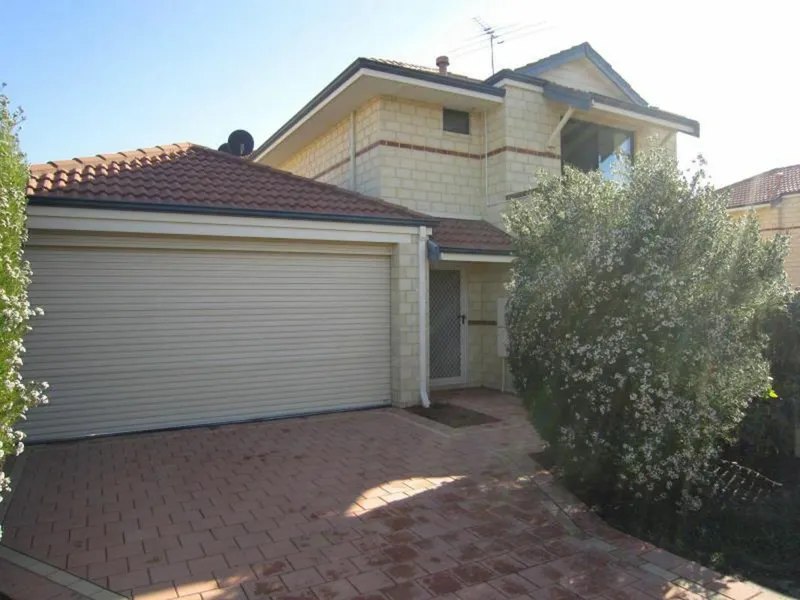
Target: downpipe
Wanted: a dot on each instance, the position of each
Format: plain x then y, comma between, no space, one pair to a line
423,299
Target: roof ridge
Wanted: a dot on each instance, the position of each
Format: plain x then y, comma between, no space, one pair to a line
772,171
108,158
564,51
415,67
402,63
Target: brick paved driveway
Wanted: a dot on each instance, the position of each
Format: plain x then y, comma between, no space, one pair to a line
373,505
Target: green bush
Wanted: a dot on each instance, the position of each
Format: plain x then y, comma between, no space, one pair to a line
16,395
635,323
768,428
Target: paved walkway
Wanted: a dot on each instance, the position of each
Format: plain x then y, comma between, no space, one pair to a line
378,505
17,582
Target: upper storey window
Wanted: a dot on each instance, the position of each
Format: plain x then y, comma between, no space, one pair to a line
588,146
455,121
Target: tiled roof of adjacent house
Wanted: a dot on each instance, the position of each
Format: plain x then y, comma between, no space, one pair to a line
764,187
471,235
188,176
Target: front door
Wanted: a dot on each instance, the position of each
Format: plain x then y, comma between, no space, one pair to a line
447,327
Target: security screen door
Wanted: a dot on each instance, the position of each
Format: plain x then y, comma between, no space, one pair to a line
447,327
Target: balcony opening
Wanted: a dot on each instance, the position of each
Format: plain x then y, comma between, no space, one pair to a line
589,147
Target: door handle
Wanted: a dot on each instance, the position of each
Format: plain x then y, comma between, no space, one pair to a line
463,319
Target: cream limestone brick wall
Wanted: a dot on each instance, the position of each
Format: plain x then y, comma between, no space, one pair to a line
583,75
327,159
323,153
428,181
495,277
485,284
474,276
405,324
526,123
367,133
433,182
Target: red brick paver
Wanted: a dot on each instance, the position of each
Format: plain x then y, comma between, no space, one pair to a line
379,505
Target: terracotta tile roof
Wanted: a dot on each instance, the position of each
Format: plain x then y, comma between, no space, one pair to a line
192,176
764,187
471,235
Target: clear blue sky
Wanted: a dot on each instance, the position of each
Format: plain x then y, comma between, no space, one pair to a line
98,76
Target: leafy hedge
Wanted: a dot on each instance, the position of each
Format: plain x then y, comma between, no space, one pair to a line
768,428
636,315
16,395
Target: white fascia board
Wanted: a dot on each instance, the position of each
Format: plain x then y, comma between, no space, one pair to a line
470,257
122,221
615,110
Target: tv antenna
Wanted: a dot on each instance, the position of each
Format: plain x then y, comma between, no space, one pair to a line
491,33
496,36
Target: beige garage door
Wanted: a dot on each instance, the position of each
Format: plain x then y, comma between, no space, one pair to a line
145,338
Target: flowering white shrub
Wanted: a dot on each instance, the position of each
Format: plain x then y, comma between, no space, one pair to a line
16,395
635,313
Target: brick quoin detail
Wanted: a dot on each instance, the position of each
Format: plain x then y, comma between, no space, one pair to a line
431,149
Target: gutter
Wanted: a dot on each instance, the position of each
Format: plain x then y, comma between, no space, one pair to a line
475,251
747,207
224,211
422,288
353,151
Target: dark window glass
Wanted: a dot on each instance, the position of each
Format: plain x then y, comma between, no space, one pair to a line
456,121
587,146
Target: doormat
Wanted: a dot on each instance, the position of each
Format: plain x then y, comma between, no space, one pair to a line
452,415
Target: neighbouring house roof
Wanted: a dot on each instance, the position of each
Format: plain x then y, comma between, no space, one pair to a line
583,50
191,178
763,188
471,235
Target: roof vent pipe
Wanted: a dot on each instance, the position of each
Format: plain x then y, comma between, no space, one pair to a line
442,62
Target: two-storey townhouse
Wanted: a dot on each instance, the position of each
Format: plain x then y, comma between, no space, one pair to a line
185,286
458,149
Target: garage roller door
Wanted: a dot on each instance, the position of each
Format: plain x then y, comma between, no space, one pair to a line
146,338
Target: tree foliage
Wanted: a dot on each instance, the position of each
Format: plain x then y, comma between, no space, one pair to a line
635,322
770,423
16,394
